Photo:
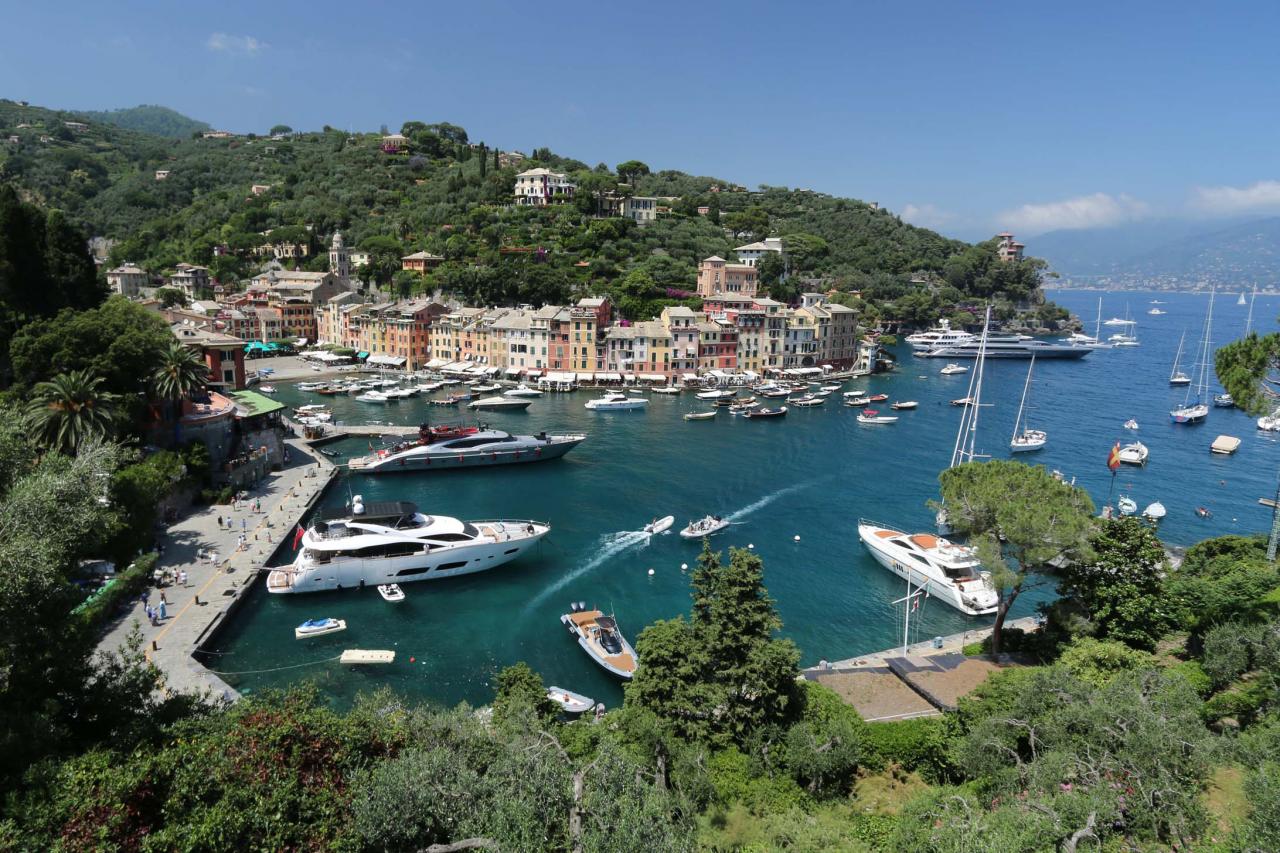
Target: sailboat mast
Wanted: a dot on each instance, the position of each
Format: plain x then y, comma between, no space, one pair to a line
1026,386
1208,333
1248,321
976,402
1097,327
1178,356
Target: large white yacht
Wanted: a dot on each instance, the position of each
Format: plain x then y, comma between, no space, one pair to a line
446,447
945,570
391,542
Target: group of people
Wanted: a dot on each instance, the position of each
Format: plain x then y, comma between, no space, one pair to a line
159,613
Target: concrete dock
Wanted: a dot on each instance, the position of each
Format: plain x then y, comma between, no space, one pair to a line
219,569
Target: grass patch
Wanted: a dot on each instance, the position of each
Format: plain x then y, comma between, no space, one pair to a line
1225,801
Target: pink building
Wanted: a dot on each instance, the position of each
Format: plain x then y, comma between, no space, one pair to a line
716,275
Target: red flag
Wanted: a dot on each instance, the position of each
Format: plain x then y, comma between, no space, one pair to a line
1113,458
297,537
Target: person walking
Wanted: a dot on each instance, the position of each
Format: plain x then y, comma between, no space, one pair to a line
219,522
164,610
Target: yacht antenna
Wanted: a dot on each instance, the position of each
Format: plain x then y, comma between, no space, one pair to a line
909,600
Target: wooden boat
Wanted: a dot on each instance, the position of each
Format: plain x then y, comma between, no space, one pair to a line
706,526
722,403
878,398
699,416
854,402
658,525
391,592
599,637
570,702
766,413
807,402
904,404
318,628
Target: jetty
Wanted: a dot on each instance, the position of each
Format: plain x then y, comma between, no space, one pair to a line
923,680
218,570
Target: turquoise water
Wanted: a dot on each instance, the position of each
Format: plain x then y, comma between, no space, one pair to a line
812,474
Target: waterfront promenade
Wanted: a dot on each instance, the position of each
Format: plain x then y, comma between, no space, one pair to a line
218,571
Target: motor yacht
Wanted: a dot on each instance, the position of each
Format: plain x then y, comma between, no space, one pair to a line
600,638
707,526
318,628
1006,348
945,570
446,448
392,542
499,404
613,401
522,390
953,369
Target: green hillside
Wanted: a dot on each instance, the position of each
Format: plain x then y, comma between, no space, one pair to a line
448,196
149,118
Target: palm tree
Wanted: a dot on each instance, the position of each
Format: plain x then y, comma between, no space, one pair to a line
179,374
70,410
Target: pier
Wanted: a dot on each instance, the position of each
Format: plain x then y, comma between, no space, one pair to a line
925,681
218,570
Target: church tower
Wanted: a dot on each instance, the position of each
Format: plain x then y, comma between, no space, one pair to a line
339,261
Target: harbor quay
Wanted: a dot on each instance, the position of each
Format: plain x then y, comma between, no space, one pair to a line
208,560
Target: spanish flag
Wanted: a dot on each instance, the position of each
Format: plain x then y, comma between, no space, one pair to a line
1113,458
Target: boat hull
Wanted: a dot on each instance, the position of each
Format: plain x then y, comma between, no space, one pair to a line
1041,352
935,588
355,572
447,460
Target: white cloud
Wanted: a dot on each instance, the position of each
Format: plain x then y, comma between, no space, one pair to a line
926,215
1224,201
1086,211
226,43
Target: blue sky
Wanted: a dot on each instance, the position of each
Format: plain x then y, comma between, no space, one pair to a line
967,117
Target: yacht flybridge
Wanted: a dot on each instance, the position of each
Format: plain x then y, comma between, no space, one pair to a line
947,571
392,543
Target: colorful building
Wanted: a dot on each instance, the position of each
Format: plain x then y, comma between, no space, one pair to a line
716,275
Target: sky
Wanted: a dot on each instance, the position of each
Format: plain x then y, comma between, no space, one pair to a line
970,118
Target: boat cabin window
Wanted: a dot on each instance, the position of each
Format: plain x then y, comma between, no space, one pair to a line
959,572
395,549
449,537
920,559
464,443
609,642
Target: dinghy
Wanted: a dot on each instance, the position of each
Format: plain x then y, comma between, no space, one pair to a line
905,404
699,416
570,702
391,592
659,524
706,526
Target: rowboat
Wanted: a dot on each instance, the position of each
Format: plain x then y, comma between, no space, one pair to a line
699,416
570,702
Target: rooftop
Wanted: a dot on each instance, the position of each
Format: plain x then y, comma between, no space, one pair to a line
251,404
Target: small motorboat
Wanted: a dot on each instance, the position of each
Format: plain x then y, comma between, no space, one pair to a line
500,404
570,702
455,399
311,386
857,401
613,401
635,390
486,388
830,388
667,389
1204,512
1127,505
391,592
743,407
766,413
1154,511
318,628
658,525
372,397
522,390
714,394
963,401
599,637
953,369
878,398
776,393
1156,312
707,526
267,389
699,416
1223,401
723,403
1131,424
808,401
872,416
860,392
1134,453
332,454
904,404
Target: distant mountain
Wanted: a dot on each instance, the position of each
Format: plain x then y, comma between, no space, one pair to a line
1175,252
150,118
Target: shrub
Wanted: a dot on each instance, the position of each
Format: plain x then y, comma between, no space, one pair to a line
920,745
1227,651
1195,675
729,771
1097,662
128,585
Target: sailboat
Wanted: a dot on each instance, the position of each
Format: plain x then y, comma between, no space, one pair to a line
1080,339
1176,376
1241,300
1024,437
1195,412
964,449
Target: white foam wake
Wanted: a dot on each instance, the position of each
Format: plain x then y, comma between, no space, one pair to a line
610,546
765,501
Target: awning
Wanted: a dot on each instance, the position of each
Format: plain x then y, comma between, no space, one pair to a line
436,362
389,360
587,377
652,377
362,355
513,371
477,370
490,371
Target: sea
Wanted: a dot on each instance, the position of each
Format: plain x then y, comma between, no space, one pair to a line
794,489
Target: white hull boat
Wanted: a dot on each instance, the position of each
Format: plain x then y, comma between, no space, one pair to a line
1154,511
393,543
570,702
708,526
945,570
871,416
1134,453
599,637
904,404
499,404
953,369
1026,439
318,628
522,390
615,402
668,389
446,448
699,416
391,592
658,525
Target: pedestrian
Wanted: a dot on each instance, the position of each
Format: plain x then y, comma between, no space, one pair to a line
164,610
163,599
145,598
151,616
214,558
185,577
219,522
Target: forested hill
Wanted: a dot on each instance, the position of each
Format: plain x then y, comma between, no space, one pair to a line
452,196
149,118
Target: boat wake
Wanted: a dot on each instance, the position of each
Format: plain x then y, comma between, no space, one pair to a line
611,546
765,501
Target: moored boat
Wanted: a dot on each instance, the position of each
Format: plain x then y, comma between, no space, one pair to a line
613,401
904,404
442,448
872,416
318,628
391,592
945,570
522,390
500,404
599,637
700,416
953,369
570,702
808,401
755,414
1134,453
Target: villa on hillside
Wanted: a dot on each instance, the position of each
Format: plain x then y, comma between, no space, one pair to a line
540,187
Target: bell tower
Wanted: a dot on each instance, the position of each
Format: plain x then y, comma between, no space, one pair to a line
339,261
